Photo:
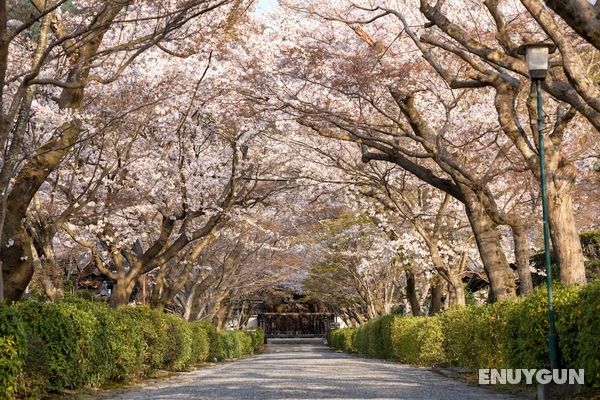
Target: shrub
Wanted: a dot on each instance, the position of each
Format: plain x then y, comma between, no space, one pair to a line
360,340
200,343
511,334
474,336
59,346
102,349
578,325
49,347
342,339
368,339
246,345
258,339
386,335
527,326
155,332
375,339
417,340
234,344
216,351
12,350
128,346
230,345
179,343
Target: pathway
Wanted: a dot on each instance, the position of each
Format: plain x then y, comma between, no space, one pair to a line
309,372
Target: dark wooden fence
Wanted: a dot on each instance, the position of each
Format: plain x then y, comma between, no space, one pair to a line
295,324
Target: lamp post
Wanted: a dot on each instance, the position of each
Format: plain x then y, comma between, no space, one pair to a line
536,56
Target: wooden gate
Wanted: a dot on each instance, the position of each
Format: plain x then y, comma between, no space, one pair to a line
295,324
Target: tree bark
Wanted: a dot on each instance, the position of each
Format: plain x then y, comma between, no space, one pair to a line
580,15
437,292
522,256
222,313
456,291
122,291
48,274
565,237
561,178
502,280
411,293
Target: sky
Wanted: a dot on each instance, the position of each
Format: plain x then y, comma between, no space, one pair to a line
265,6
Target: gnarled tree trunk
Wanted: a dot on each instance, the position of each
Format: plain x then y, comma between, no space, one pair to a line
522,256
411,293
456,291
122,290
502,279
437,292
563,231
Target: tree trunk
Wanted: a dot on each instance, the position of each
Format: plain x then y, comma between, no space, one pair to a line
411,293
522,256
47,271
158,288
451,274
17,265
437,292
456,291
170,288
501,277
188,305
220,318
562,175
565,238
122,292
51,278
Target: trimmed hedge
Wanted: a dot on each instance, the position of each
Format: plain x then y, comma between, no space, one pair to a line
342,339
512,334
49,347
417,340
474,336
12,351
200,344
258,339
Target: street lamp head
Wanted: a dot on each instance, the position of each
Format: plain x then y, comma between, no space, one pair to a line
536,56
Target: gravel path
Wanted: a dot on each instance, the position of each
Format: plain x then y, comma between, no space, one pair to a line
309,372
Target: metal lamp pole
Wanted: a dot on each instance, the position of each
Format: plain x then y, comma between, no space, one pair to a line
536,56
552,335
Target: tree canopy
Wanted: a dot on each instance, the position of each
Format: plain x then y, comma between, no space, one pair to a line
379,156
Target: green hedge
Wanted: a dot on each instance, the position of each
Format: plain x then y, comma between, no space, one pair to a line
502,335
474,336
369,338
49,347
417,340
12,351
258,339
200,343
342,339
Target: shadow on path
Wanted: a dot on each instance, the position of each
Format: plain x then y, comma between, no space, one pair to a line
310,372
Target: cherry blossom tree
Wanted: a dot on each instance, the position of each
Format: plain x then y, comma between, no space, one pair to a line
81,48
376,153
581,16
389,101
376,125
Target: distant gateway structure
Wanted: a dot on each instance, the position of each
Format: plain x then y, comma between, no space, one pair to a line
281,325
293,317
